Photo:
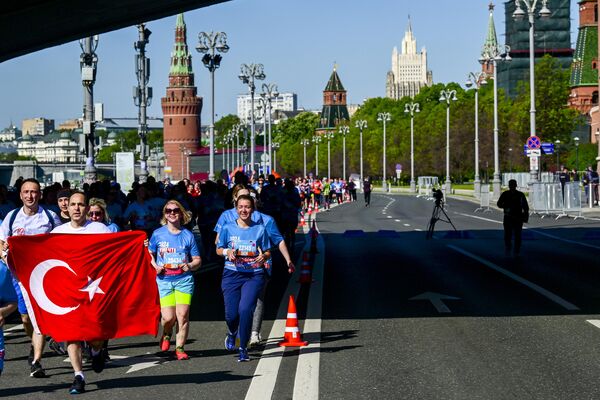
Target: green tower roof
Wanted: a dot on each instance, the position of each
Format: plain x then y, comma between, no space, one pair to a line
490,46
334,84
181,59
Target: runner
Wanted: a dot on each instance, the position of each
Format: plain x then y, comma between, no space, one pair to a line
175,256
98,213
244,244
31,219
78,210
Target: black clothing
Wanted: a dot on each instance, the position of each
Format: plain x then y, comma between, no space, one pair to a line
516,211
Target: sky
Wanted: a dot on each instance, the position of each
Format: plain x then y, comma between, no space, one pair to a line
298,43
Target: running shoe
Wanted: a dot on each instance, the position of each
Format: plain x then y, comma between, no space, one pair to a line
243,355
230,341
254,339
36,370
165,342
98,362
181,354
78,385
56,347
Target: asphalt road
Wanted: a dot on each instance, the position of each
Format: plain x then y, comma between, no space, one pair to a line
390,315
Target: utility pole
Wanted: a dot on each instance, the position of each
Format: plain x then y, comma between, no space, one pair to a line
142,97
88,62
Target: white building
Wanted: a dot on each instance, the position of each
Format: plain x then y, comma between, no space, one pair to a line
409,69
283,102
56,147
9,134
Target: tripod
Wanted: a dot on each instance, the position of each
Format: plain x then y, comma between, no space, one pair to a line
435,216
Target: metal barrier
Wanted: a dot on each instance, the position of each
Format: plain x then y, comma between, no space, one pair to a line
571,200
523,178
551,199
484,198
425,185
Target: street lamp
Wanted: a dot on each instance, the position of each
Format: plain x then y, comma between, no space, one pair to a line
142,97
182,150
237,129
477,79
510,159
361,124
412,108
384,117
343,130
275,146
248,74
316,140
448,95
209,44
557,145
269,93
576,153
518,14
329,136
304,143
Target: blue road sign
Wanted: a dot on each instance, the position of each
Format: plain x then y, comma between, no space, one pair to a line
547,148
534,142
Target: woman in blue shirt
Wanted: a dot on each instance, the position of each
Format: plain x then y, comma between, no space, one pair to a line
175,256
244,244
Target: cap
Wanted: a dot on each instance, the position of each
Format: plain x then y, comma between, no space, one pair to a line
63,193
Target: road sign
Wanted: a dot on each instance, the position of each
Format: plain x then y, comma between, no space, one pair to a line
534,152
534,163
534,142
546,148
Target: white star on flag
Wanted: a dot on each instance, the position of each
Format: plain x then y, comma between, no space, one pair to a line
92,287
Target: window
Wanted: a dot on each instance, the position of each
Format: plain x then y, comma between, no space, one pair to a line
595,97
170,121
184,121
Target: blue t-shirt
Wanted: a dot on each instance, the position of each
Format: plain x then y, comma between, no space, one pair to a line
171,249
245,242
231,215
7,291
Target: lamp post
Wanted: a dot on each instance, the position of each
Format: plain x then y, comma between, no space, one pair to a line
510,159
142,97
557,145
384,117
304,143
477,79
262,112
576,139
275,146
361,124
412,108
223,152
448,95
182,150
269,93
329,136
518,14
248,74
343,130
88,62
316,140
211,44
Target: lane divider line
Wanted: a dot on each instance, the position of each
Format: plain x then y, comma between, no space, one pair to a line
544,292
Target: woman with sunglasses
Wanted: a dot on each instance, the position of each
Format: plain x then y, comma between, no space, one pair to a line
244,244
99,213
175,256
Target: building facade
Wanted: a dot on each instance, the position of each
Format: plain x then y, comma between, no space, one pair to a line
37,126
55,147
335,109
409,71
181,106
9,134
283,102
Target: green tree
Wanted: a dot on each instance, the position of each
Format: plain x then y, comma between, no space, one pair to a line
224,125
288,133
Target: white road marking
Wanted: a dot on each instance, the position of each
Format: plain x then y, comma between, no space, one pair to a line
13,330
389,216
595,322
418,229
436,300
397,220
544,292
406,224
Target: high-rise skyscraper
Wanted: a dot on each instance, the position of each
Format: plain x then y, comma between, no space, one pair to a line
181,107
409,71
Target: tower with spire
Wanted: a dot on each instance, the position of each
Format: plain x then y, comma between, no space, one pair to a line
409,71
335,109
490,46
181,106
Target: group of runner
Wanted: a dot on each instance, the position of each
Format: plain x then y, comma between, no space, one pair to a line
243,235
316,192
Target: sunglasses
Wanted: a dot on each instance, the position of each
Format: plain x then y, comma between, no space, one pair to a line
95,213
172,210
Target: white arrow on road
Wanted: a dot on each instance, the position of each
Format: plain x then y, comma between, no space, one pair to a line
134,361
436,300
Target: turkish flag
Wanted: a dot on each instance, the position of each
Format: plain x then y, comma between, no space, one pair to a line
87,286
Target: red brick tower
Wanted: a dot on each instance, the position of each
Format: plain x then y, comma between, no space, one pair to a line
181,107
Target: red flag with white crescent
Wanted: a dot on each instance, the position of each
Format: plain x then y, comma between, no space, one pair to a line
87,286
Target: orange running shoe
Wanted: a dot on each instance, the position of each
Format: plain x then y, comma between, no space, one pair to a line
181,354
165,342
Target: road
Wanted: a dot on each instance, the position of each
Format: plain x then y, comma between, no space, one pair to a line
390,315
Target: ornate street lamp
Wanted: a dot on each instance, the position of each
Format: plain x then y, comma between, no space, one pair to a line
316,140
248,74
412,108
210,44
384,117
343,130
361,124
329,136
304,143
448,96
269,93
477,79
576,139
519,14
275,146
142,97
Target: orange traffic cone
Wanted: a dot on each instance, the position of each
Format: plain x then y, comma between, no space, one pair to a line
317,208
292,336
306,271
309,210
302,221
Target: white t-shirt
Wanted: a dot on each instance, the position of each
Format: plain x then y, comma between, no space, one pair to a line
28,224
88,227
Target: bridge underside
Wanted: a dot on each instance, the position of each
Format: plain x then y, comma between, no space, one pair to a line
30,25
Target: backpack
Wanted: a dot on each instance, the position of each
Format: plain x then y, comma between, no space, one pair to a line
14,216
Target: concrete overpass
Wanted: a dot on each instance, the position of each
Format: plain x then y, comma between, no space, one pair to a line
31,25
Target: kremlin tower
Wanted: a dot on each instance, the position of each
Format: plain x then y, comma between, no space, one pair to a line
181,107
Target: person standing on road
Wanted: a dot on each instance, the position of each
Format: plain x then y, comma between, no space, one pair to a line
367,191
8,304
516,211
31,219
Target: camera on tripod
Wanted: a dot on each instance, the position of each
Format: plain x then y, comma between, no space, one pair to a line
438,196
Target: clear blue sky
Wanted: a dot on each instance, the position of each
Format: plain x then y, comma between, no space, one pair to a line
297,41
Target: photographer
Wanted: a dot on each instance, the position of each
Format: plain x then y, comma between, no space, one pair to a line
516,211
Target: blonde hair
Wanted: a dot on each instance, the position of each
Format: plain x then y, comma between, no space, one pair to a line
236,189
95,201
186,216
